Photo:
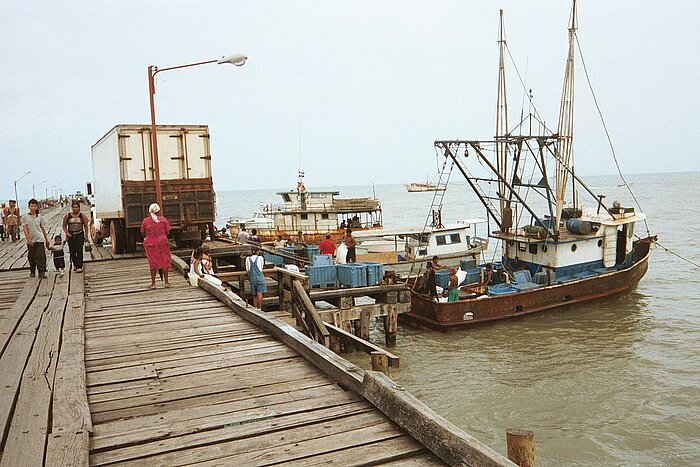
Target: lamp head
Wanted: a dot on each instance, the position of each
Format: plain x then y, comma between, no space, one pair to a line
237,60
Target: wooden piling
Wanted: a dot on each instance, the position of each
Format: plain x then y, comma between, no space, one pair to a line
390,327
380,362
364,325
521,447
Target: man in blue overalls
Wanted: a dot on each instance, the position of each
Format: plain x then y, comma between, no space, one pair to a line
254,265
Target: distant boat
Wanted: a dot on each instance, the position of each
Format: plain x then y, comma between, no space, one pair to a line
416,187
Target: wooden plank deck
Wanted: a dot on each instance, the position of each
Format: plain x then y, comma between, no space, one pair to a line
173,376
97,369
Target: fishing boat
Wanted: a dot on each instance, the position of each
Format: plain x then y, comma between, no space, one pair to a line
402,250
420,187
315,214
556,250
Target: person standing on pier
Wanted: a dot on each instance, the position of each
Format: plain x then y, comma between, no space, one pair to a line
12,220
2,223
350,242
254,264
75,226
155,229
34,233
327,247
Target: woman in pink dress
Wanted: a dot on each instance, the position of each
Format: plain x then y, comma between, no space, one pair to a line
155,231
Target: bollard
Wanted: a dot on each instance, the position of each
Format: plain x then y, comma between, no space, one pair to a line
521,447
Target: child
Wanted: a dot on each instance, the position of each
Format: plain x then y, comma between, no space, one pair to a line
57,250
453,294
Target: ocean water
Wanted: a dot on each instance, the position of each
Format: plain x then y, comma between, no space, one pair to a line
614,383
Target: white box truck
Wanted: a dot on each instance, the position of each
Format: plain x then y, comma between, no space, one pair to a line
124,182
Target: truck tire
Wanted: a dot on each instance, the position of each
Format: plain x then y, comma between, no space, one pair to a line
117,234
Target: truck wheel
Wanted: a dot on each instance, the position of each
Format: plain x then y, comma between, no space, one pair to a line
118,236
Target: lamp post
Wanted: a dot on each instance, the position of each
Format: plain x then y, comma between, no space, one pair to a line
34,188
20,178
237,60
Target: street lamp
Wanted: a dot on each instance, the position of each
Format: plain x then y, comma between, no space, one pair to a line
237,60
20,178
34,188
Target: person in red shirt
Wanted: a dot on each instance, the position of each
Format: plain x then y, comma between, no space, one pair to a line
327,246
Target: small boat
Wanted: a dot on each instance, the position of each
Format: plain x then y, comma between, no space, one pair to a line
419,187
403,250
554,254
315,213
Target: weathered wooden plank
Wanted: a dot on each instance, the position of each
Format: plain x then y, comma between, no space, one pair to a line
68,449
14,358
10,320
362,344
341,370
27,437
249,439
376,453
453,445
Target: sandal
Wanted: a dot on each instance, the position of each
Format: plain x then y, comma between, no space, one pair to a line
151,287
167,285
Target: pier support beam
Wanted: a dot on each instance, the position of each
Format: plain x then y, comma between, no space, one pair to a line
380,362
390,327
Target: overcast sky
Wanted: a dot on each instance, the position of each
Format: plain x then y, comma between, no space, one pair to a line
363,88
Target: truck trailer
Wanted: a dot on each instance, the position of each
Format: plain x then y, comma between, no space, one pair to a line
124,182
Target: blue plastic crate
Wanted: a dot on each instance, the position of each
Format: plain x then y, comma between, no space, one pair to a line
375,272
352,275
271,258
473,276
311,251
322,276
442,278
323,260
467,264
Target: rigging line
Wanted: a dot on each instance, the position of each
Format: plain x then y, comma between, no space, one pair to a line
668,250
607,134
522,83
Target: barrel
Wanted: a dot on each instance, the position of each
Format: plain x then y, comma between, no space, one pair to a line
578,227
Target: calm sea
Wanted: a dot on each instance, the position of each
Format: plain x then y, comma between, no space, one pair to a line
616,383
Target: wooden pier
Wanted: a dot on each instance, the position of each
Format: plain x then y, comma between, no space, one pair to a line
99,370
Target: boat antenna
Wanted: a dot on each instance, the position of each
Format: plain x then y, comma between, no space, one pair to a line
565,130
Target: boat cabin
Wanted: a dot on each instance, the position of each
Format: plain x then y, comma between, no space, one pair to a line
587,244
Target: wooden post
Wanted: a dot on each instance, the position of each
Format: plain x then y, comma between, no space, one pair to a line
521,447
390,326
380,362
364,325
241,287
280,290
347,327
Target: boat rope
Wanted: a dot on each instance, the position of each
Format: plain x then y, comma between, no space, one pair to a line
607,134
668,250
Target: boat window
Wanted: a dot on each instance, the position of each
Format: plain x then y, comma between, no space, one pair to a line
304,216
573,247
286,198
532,248
454,238
600,243
324,215
441,240
448,239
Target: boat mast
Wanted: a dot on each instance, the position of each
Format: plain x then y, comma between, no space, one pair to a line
566,122
501,118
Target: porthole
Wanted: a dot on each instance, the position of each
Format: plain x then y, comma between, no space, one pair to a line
573,247
517,308
600,243
566,298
